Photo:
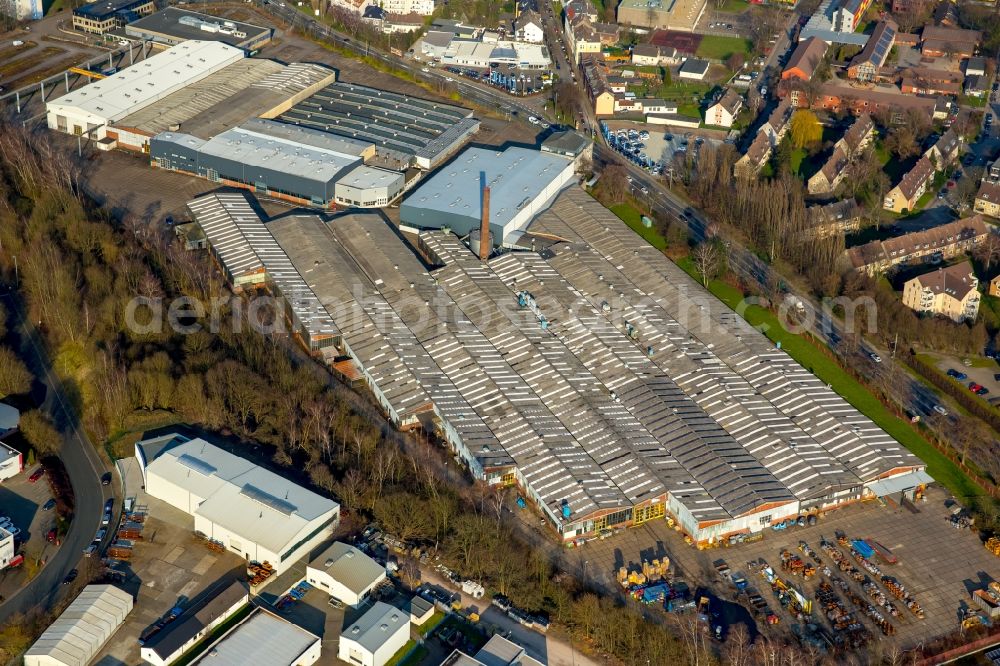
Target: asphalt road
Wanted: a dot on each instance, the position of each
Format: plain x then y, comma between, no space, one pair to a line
84,468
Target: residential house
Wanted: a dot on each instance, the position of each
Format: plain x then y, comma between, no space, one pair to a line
652,105
988,199
946,14
942,108
528,27
694,69
938,41
951,292
401,7
723,112
835,98
904,196
777,122
582,38
944,241
847,14
750,164
839,217
976,85
993,172
866,65
607,33
975,66
833,171
927,81
945,150
353,6
399,23
653,55
805,59
600,93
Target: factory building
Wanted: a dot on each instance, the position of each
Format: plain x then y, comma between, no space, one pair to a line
369,187
406,131
234,95
375,637
90,110
252,157
86,625
106,15
593,373
249,510
522,183
173,25
263,639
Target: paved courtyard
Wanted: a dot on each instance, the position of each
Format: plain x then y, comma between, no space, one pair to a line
938,564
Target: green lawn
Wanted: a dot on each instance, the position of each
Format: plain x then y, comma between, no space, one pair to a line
633,218
402,657
732,6
805,351
978,102
720,48
798,155
431,624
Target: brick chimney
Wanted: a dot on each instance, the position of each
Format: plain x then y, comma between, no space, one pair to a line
484,227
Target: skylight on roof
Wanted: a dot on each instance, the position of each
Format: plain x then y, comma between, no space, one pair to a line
267,499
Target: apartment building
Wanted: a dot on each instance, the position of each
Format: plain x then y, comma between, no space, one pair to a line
904,196
951,292
723,112
941,242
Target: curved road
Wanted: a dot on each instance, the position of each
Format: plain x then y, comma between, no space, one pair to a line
84,468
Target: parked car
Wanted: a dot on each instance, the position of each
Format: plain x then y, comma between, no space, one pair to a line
37,474
109,504
71,576
974,387
875,357
982,391
89,550
99,536
106,479
50,536
48,506
941,410
956,374
106,519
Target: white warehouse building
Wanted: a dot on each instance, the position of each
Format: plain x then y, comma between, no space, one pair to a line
368,187
345,573
251,511
90,109
86,625
375,637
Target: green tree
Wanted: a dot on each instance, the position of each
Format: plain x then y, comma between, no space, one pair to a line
39,432
806,130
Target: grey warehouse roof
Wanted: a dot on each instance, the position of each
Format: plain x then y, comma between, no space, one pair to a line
262,639
515,176
349,566
84,627
238,237
373,628
397,123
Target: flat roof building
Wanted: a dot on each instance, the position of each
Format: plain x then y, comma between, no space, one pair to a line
368,187
302,171
173,25
374,638
345,573
106,15
87,624
405,130
263,639
522,182
694,69
249,510
89,110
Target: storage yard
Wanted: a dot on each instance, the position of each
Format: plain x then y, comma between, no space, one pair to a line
938,567
754,439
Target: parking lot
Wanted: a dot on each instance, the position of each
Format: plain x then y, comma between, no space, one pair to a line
22,501
657,146
938,564
982,373
169,567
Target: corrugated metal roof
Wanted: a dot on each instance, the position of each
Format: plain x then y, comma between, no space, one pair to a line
84,627
262,639
349,566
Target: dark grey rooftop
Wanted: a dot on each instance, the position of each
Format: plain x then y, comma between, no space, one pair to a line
182,24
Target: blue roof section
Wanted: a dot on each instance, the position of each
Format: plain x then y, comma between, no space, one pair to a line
106,8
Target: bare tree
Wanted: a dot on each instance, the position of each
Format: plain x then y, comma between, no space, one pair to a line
707,260
989,250
615,182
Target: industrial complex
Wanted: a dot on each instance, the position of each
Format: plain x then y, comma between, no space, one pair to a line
78,635
289,132
592,372
173,25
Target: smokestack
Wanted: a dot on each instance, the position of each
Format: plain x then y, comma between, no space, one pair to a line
484,227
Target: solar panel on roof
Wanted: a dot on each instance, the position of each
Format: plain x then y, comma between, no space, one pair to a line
267,499
197,464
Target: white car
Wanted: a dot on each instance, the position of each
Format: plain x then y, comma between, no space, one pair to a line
424,70
645,191
533,120
875,357
448,79
940,410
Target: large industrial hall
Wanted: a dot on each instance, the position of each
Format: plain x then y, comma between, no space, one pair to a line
594,373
